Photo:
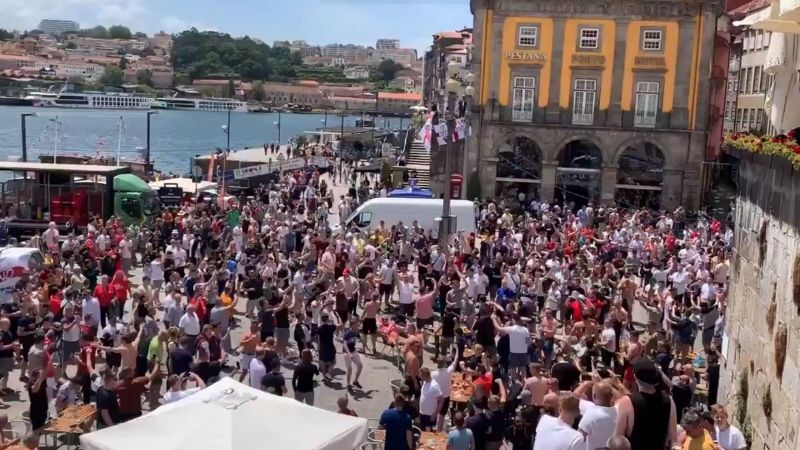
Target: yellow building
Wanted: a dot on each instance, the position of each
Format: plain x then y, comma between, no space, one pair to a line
592,101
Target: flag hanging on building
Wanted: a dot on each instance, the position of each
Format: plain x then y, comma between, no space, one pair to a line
426,133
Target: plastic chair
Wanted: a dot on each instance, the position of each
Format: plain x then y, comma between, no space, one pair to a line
371,446
396,384
373,424
371,437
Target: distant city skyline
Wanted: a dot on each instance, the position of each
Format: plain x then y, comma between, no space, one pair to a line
319,22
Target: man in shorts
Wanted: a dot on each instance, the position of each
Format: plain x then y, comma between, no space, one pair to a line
369,326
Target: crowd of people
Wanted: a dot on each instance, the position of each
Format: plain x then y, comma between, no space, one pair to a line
535,311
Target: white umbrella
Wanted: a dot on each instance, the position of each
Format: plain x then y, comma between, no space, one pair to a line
418,108
769,19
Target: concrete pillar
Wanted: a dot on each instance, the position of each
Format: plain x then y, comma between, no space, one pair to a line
548,187
671,188
608,184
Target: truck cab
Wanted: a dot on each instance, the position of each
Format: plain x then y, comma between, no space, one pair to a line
135,202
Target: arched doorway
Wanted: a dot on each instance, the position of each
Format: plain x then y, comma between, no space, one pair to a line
578,176
519,171
640,176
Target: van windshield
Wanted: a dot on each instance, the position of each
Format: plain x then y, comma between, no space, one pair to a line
361,219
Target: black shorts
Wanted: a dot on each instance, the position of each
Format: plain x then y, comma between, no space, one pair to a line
343,314
266,333
422,322
407,309
385,289
445,406
369,326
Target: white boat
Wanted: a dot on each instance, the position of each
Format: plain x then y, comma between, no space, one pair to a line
201,104
90,99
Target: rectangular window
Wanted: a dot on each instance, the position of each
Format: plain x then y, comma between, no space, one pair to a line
590,38
527,36
748,80
745,119
759,119
646,104
739,115
741,81
766,82
767,35
522,104
757,80
583,100
651,40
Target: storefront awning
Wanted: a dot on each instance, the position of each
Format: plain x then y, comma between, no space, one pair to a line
770,19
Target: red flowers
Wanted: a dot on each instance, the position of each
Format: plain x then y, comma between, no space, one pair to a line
796,150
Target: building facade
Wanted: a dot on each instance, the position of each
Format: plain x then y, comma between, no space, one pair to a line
58,27
387,44
397,103
748,83
447,46
593,100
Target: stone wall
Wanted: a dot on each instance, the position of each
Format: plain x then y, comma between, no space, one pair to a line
763,320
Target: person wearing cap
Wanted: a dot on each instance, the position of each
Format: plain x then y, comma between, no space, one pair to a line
648,417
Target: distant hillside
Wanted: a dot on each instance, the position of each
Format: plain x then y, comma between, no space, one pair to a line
203,53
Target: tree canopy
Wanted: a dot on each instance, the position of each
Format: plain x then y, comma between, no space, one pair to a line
387,69
96,32
119,32
201,53
5,35
112,76
144,76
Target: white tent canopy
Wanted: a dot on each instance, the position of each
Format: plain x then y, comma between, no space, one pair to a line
230,415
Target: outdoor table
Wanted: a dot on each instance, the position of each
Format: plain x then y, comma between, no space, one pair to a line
460,389
72,422
428,440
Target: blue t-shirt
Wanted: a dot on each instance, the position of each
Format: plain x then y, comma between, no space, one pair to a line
460,439
397,424
350,339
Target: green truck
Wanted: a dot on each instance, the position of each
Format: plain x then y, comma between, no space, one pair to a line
71,195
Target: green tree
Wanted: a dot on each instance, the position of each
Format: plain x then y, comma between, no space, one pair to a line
140,35
76,79
112,76
144,89
387,69
123,63
258,91
71,45
119,32
96,32
6,35
231,89
180,79
144,76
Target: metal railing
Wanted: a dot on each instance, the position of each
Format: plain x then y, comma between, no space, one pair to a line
644,121
582,119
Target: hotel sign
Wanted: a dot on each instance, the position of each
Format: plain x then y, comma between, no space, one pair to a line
525,56
588,60
650,61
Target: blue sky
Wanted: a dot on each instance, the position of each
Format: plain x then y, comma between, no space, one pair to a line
317,21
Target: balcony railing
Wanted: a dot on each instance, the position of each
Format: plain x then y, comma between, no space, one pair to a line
582,119
643,121
522,116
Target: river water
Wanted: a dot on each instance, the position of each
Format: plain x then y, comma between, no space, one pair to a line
176,136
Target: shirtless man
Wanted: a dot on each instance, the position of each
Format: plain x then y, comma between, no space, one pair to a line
129,349
347,284
369,326
632,355
536,384
247,348
548,326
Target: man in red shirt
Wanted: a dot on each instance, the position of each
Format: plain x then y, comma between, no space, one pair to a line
105,294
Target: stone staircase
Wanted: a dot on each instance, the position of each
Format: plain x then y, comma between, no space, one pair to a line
420,160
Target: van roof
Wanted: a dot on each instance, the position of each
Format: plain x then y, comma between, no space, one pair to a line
414,201
18,251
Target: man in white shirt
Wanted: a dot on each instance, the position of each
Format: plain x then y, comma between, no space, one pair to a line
90,305
598,423
519,338
556,433
608,342
257,369
444,376
176,387
430,401
190,325
406,295
386,275
103,241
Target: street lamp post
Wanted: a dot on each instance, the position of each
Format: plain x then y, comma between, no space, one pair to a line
147,167
469,93
279,130
24,116
445,226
